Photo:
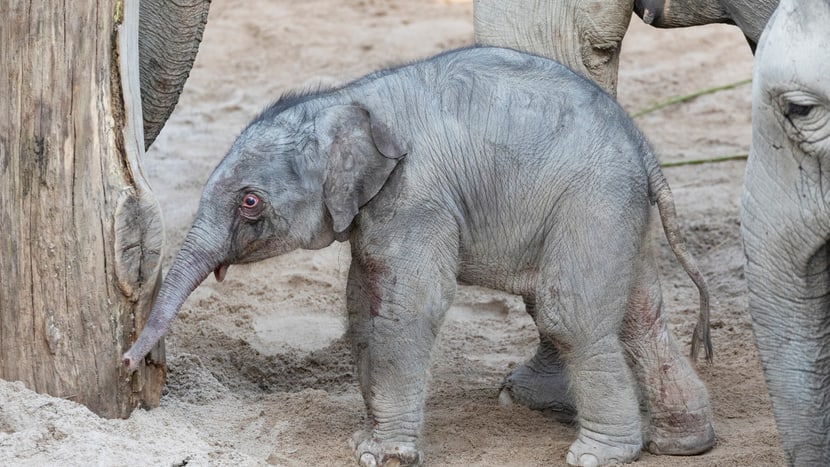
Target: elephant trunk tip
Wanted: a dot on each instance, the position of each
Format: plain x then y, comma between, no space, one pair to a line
650,11
133,357
130,362
220,271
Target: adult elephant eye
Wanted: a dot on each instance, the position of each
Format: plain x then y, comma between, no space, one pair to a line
797,110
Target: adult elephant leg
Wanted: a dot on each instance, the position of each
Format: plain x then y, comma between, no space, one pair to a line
169,34
541,383
585,35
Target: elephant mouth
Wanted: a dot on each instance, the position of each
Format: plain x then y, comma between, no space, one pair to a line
220,271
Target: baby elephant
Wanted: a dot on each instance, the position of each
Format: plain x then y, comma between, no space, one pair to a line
485,166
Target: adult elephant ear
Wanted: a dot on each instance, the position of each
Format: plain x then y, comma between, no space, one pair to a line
169,34
360,153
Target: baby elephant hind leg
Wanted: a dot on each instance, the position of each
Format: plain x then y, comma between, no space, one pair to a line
581,310
541,383
677,403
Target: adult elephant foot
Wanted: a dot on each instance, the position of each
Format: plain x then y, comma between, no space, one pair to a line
540,384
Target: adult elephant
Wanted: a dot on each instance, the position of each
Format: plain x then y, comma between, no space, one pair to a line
786,224
586,35
749,15
169,34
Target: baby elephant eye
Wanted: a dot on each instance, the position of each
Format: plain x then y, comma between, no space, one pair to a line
251,206
250,200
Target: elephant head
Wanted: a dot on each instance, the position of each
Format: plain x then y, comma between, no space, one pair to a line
295,178
786,224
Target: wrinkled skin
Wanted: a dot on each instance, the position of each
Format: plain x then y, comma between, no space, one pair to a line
169,34
477,166
584,35
749,15
786,224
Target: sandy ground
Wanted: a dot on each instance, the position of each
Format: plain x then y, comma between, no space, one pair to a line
258,371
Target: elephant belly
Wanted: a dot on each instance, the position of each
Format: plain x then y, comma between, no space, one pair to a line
500,275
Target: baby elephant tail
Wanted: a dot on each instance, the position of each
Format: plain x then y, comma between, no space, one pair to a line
660,193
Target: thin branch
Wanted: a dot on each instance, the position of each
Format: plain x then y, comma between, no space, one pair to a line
686,97
734,157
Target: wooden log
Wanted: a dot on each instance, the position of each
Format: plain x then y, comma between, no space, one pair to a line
80,231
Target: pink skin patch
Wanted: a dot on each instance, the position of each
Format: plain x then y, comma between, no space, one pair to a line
375,270
220,271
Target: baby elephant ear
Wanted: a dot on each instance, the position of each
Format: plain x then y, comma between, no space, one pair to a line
361,152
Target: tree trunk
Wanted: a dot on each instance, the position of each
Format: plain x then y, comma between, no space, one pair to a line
81,237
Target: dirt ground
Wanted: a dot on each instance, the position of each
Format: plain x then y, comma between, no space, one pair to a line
258,371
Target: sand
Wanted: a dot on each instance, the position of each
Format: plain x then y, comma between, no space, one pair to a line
258,371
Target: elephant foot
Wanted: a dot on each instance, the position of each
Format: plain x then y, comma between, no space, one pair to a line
680,434
539,388
594,449
372,452
679,415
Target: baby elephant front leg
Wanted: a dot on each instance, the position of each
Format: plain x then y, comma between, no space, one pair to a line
394,316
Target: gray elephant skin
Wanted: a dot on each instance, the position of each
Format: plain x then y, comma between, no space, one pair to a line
587,35
169,34
483,166
786,224
749,15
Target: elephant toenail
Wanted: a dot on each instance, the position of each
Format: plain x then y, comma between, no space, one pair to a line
368,460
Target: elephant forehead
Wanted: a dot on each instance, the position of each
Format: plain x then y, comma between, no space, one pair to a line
796,45
272,138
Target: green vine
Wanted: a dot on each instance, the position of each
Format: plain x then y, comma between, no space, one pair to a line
687,97
734,157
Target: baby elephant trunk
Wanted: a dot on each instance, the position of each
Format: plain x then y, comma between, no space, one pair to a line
191,266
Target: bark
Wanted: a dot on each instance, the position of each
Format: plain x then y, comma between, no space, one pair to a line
81,231
169,37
